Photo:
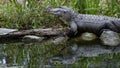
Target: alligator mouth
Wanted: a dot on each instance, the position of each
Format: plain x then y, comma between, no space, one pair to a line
54,11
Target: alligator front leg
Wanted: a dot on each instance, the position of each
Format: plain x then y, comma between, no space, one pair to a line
73,29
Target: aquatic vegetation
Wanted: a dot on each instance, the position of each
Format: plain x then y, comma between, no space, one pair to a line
32,13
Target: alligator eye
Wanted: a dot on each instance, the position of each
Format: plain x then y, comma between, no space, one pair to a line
64,11
60,7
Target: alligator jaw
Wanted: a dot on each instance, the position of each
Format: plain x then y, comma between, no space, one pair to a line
54,11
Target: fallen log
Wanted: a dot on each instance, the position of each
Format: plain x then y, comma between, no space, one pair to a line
38,32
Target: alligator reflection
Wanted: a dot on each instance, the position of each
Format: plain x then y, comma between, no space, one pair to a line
84,53
49,56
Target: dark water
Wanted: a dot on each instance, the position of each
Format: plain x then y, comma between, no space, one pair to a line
67,55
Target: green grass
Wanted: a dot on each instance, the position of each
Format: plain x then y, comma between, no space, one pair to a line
34,15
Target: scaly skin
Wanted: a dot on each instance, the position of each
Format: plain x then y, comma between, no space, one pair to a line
80,23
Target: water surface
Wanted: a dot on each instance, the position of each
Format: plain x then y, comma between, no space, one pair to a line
68,55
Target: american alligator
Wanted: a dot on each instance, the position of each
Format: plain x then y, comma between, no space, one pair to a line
80,23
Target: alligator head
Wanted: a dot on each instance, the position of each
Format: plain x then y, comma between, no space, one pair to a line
64,12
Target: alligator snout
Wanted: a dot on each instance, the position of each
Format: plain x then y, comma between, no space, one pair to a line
55,11
48,9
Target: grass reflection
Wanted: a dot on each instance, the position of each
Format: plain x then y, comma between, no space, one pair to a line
55,56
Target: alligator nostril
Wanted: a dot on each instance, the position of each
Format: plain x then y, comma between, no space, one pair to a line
48,9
